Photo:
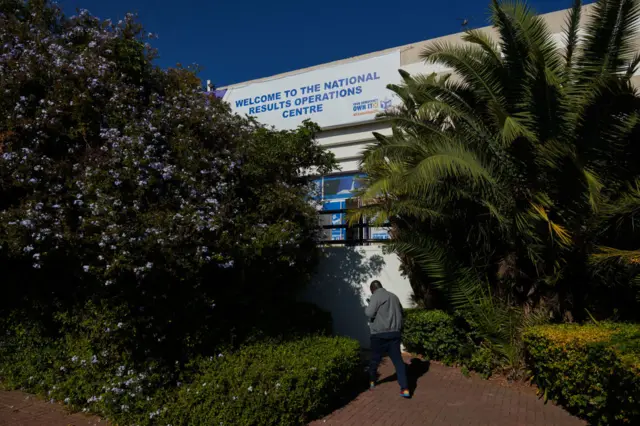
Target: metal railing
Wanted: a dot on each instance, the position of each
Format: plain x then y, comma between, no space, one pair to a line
357,234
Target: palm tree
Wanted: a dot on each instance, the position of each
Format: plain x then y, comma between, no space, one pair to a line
513,183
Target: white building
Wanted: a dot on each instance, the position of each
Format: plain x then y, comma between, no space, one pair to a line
344,97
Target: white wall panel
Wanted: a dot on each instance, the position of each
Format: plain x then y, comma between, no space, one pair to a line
341,286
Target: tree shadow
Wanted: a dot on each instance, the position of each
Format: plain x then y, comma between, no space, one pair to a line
415,369
337,287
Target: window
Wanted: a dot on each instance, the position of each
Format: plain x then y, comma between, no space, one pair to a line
335,193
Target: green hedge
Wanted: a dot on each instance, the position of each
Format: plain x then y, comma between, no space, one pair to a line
274,383
434,334
593,370
265,384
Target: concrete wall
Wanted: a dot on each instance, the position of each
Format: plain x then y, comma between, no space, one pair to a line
341,286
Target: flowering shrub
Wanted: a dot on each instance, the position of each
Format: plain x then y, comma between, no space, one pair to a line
132,204
593,370
286,384
84,376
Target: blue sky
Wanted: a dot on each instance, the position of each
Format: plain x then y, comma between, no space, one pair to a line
239,40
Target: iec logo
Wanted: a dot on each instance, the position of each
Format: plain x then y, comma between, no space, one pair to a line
386,104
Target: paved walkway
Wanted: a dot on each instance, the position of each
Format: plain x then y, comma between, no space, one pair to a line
21,409
443,396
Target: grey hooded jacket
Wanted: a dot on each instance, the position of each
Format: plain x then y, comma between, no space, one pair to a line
385,312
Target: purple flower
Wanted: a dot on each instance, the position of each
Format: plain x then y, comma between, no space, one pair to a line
227,265
26,223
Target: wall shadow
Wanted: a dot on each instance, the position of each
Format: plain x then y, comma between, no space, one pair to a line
338,287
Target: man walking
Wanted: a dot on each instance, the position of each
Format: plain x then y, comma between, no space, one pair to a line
385,314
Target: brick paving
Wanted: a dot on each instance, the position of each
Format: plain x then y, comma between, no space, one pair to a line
444,397
21,409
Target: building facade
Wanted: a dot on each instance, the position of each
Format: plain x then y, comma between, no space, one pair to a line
344,98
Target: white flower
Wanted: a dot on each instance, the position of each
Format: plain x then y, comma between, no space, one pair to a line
250,388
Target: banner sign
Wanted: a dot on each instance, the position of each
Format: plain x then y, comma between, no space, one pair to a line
342,94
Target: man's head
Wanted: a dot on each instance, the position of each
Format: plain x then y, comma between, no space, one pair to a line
375,285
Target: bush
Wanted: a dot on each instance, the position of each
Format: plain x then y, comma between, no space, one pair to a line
435,334
266,384
85,376
301,379
124,187
446,338
593,370
483,361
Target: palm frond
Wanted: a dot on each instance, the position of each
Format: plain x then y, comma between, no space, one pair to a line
622,214
490,47
609,36
526,44
572,24
594,189
555,230
632,68
469,63
610,254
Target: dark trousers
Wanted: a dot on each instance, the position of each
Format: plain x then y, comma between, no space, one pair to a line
388,343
